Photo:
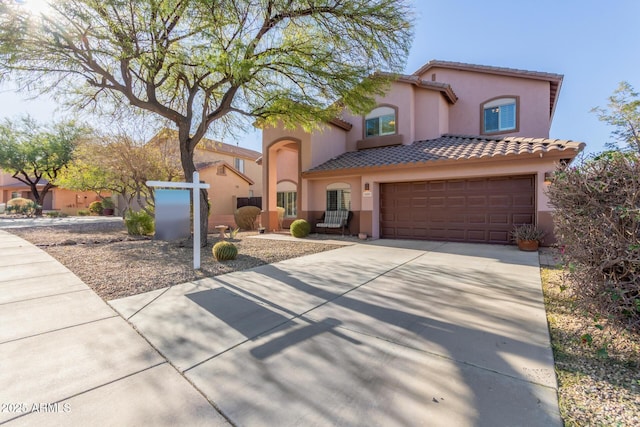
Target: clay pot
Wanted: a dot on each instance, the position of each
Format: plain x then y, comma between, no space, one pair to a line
528,245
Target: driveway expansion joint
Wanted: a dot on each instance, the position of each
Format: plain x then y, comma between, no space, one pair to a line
46,296
75,325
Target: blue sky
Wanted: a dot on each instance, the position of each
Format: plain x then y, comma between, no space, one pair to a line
594,44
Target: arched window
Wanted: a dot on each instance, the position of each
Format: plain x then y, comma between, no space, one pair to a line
339,197
500,115
381,121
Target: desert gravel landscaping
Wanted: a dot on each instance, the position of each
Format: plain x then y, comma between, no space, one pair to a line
116,265
596,387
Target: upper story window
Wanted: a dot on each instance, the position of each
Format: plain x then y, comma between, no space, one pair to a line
238,164
500,115
381,121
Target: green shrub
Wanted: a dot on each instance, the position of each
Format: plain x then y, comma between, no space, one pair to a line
84,212
224,251
22,206
139,223
245,217
96,207
597,220
56,214
107,203
300,228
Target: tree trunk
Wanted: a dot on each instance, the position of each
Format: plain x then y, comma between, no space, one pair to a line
39,197
186,159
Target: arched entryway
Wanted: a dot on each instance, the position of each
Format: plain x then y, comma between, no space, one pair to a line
282,182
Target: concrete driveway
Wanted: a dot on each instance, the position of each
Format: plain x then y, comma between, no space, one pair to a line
383,333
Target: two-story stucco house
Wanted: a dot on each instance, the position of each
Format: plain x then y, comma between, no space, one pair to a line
454,152
231,171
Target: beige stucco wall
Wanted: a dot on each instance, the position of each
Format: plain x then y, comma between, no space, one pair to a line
287,164
224,190
431,115
326,144
474,88
400,95
70,202
317,192
251,168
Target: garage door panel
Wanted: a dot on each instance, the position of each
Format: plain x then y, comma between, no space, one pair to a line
498,236
477,219
473,210
456,201
523,201
500,201
454,186
499,219
477,201
522,219
419,202
477,236
434,186
437,202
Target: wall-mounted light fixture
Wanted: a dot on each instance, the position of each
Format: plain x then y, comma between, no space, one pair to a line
548,177
366,186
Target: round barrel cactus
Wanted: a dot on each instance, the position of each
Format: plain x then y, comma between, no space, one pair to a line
300,228
224,251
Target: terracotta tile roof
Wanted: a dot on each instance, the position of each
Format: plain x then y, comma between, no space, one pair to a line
166,134
221,147
447,148
413,79
487,69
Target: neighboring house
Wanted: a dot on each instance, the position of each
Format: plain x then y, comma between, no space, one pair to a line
453,152
232,172
66,201
227,185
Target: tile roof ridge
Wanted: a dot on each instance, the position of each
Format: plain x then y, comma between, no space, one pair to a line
486,68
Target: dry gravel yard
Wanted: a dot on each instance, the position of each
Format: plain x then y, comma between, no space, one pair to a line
596,388
116,265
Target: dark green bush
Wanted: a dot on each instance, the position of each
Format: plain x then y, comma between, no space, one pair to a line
139,223
597,220
224,251
96,207
300,228
83,212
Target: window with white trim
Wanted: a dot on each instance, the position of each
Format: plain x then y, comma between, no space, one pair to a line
339,197
379,122
287,198
238,164
499,115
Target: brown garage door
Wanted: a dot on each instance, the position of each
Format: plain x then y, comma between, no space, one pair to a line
462,210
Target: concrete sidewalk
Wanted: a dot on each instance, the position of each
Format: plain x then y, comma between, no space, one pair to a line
66,358
383,333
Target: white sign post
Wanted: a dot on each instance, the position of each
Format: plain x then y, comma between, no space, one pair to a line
195,186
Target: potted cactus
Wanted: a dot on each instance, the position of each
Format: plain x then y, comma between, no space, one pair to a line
527,236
